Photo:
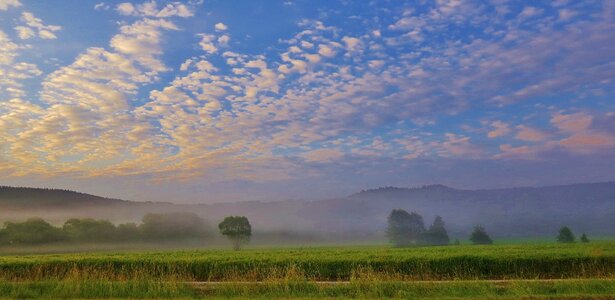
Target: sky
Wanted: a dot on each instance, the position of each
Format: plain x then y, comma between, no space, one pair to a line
213,101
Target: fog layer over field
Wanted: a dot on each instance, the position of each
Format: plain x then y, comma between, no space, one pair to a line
505,213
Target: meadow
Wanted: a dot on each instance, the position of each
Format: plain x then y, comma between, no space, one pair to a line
511,270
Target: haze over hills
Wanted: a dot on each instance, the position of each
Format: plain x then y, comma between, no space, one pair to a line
510,212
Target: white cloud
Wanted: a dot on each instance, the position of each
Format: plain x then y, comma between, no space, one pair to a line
24,32
101,6
221,27
150,9
6,4
325,50
207,44
352,44
223,40
35,24
126,8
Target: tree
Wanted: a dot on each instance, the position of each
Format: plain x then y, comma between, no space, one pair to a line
436,234
565,235
32,231
584,238
173,226
404,228
127,232
480,237
237,229
89,230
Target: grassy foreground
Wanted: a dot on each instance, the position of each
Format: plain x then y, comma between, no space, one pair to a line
576,271
575,289
536,261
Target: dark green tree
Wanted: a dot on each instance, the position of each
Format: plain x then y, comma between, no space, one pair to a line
173,226
237,229
480,237
565,235
404,228
436,234
584,238
128,232
32,231
89,230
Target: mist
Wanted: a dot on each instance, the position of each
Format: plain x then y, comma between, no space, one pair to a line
359,218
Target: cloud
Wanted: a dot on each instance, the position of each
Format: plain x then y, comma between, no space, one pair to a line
221,27
323,155
35,25
101,6
526,133
6,4
24,32
126,8
12,71
150,9
325,50
500,129
352,44
207,44
271,115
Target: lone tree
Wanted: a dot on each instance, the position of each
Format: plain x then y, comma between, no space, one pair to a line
237,229
565,235
584,238
436,234
404,228
480,237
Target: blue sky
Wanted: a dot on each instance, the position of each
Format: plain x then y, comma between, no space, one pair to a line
209,101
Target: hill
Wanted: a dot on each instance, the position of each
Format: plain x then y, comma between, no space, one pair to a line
510,212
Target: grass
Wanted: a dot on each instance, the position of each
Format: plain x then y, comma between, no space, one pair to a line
597,288
468,272
94,289
530,261
415,290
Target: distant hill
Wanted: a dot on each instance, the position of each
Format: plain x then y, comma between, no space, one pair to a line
510,212
23,197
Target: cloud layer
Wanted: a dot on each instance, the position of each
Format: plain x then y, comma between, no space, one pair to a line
449,81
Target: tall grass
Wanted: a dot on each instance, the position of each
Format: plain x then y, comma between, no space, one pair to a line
595,260
95,289
415,290
288,289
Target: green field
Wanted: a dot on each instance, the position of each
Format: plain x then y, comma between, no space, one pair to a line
495,271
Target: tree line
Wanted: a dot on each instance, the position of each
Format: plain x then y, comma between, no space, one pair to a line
153,227
408,229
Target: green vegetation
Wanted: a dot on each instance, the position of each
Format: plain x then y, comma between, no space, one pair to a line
285,289
480,237
407,229
593,260
237,229
414,290
36,231
565,235
469,271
